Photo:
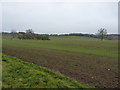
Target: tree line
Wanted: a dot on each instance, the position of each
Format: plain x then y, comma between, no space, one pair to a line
101,34
29,34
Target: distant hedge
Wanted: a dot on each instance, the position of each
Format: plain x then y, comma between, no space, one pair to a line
33,36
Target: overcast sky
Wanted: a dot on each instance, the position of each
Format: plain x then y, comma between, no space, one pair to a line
60,17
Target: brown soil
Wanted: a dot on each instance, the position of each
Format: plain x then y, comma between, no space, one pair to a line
102,72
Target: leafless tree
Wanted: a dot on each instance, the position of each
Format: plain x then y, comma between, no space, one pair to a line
102,33
29,31
13,33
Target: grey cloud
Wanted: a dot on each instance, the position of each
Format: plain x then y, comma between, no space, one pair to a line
61,17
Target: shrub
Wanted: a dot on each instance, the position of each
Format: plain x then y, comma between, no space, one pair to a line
33,36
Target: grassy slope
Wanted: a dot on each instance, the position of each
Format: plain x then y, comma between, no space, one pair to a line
20,74
0,70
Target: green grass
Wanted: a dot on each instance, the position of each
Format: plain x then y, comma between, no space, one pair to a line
0,70
73,44
86,60
20,74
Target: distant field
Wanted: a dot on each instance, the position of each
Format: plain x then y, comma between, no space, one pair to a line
87,60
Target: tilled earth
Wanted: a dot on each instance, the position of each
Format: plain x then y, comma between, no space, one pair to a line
100,71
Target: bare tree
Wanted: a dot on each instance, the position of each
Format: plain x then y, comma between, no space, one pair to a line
13,33
102,33
29,31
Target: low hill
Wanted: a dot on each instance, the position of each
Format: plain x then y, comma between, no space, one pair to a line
20,74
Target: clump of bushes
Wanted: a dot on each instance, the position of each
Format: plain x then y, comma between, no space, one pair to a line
34,36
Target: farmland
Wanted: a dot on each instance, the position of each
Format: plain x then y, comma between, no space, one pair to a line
26,75
86,60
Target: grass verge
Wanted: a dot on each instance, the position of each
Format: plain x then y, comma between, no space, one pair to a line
20,74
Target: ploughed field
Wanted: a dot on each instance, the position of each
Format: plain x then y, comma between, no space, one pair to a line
19,74
86,60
